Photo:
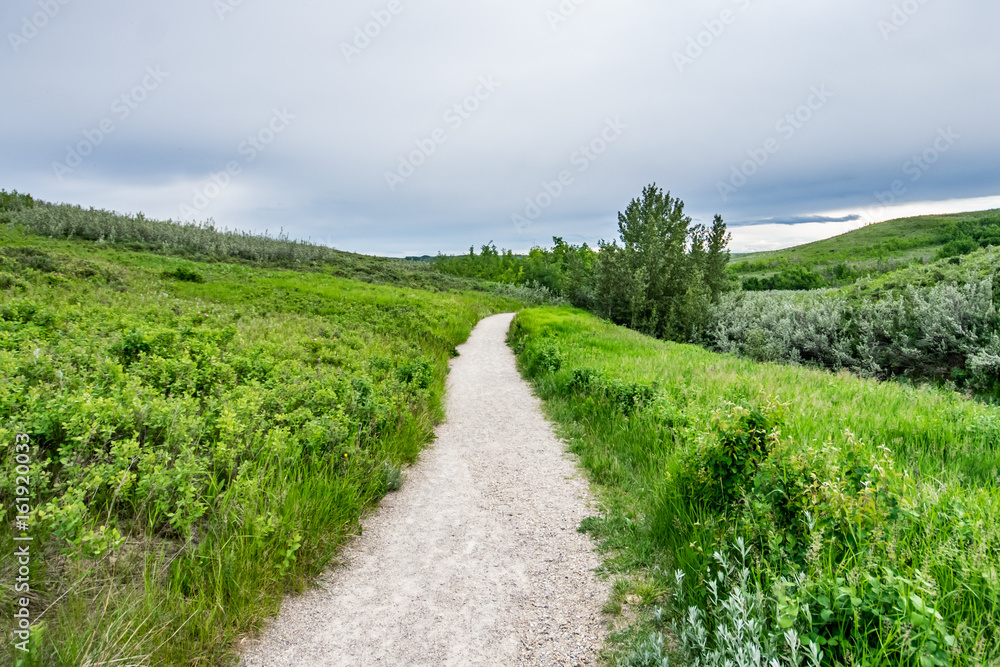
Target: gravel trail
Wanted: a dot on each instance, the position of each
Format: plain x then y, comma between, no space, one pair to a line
476,560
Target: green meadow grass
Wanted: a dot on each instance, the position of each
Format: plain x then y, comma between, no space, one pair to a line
871,496
206,435
870,248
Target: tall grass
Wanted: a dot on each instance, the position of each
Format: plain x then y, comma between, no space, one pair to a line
205,436
870,511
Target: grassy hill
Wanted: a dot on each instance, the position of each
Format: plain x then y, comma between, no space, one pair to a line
204,242
789,506
876,249
205,417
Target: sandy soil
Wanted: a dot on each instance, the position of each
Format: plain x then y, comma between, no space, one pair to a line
476,560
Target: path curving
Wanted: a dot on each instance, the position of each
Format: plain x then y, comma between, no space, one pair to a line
476,560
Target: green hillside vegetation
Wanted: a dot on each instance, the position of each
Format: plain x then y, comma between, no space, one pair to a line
207,426
980,264
809,517
937,322
869,251
203,242
659,276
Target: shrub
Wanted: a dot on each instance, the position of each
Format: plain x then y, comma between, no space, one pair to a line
7,281
650,653
531,294
742,625
542,357
794,277
184,275
14,201
715,473
417,372
942,332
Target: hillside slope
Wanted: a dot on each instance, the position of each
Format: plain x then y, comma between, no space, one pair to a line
865,514
879,248
204,242
204,428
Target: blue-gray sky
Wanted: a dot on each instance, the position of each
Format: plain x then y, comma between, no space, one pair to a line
452,123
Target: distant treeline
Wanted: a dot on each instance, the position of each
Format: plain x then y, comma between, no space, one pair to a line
659,277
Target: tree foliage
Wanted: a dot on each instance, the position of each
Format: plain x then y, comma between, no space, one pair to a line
660,276
666,272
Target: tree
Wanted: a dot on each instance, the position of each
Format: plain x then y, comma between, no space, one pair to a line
666,270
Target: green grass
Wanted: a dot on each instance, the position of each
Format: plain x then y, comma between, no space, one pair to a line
206,434
204,243
690,450
873,249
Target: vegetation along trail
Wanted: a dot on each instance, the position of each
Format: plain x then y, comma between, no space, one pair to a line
476,560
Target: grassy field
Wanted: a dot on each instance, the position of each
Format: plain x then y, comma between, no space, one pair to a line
204,242
204,435
798,512
871,250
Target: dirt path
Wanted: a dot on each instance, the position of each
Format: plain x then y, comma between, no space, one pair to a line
476,561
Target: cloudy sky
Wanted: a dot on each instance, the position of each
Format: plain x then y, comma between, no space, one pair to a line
401,127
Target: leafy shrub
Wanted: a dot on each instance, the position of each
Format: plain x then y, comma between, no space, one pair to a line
650,653
184,275
584,379
794,277
943,332
394,476
742,625
715,473
13,201
630,397
542,357
31,258
626,397
531,294
7,281
418,372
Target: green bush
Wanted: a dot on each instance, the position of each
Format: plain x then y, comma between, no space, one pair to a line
184,275
944,332
542,357
715,474
794,277
13,201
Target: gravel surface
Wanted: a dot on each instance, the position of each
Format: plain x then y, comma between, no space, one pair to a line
476,560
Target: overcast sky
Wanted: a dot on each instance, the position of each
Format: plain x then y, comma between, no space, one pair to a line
399,127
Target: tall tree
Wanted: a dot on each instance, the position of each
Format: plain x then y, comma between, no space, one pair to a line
662,277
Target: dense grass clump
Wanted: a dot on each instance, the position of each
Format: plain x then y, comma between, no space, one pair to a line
204,436
777,511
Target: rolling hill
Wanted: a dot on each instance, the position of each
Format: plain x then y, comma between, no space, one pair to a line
871,250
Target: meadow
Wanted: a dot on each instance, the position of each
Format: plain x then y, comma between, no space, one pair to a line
870,251
756,512
207,426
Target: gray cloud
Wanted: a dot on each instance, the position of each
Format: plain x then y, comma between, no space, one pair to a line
796,220
324,176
